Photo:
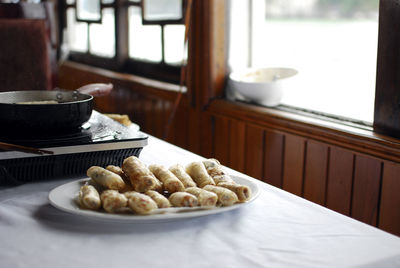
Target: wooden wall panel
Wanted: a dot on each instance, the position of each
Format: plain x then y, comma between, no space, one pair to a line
221,137
315,172
366,188
254,150
389,216
293,164
340,180
207,134
273,158
180,127
159,118
237,145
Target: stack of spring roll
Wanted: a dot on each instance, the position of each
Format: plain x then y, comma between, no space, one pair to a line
140,189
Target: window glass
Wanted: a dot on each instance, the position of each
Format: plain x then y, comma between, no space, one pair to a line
88,10
332,44
102,36
76,33
174,36
162,9
144,40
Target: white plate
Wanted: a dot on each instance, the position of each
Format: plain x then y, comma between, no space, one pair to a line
64,197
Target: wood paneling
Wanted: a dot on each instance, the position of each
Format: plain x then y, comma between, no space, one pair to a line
273,158
221,138
315,172
237,145
389,217
254,150
207,134
293,164
340,180
366,188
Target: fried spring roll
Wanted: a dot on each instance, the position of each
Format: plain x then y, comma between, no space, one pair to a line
140,176
140,203
243,192
225,196
106,178
180,173
215,170
161,201
170,182
199,174
89,197
113,201
205,198
117,170
183,199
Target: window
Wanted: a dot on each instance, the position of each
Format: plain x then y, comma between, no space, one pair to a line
144,37
332,44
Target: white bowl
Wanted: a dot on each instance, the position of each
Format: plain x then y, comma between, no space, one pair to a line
264,85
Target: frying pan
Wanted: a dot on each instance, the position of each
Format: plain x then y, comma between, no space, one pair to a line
69,111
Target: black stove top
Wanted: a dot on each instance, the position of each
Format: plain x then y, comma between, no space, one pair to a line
99,129
101,141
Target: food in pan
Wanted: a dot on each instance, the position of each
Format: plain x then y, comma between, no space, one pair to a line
143,190
199,174
183,199
216,172
106,178
225,196
139,175
89,197
140,203
113,201
38,102
171,183
179,171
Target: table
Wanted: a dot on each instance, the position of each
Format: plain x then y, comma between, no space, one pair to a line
278,229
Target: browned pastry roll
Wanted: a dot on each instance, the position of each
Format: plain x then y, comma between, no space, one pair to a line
113,201
180,173
204,198
170,182
106,178
161,201
183,199
199,174
243,192
225,196
140,176
215,170
117,170
140,203
89,197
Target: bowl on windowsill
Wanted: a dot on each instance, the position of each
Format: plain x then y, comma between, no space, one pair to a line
262,85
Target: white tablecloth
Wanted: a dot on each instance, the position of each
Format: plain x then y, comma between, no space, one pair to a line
278,229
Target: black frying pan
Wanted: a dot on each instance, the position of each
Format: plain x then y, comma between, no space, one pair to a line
48,111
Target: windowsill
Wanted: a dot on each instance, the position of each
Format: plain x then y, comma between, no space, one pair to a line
125,77
359,138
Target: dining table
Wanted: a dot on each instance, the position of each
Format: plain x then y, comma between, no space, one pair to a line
274,229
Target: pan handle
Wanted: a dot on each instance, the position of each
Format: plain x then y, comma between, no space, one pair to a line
96,90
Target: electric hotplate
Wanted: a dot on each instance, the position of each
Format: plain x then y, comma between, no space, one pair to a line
101,142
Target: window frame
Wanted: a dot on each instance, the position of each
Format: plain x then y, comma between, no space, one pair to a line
121,62
387,90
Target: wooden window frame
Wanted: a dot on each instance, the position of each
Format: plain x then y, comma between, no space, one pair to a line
121,62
